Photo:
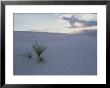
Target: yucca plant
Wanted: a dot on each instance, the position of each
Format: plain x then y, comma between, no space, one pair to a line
28,53
39,49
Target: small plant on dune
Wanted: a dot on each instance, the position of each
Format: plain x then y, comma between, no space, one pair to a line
28,53
39,49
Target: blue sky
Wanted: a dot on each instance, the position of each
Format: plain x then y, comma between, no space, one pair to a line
54,22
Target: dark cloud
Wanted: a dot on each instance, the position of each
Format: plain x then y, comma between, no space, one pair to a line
76,23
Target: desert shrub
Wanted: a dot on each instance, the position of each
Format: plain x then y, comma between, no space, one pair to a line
39,49
28,53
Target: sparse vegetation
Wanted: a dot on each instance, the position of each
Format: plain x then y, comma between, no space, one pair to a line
28,53
39,49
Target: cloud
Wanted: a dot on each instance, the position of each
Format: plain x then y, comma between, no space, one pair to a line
86,16
82,16
79,20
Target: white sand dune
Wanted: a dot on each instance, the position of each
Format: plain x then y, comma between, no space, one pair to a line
67,54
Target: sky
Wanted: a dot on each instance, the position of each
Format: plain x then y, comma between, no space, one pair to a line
55,22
